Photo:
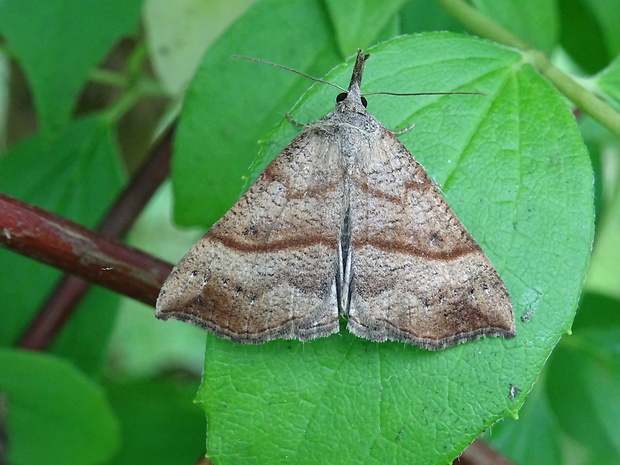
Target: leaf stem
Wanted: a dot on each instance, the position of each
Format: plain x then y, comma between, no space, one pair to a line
476,22
580,96
134,81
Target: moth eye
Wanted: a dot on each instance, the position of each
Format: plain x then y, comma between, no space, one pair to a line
364,102
341,97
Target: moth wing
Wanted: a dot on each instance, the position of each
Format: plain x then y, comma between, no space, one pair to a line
268,268
418,276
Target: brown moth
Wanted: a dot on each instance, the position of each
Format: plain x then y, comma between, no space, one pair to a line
343,222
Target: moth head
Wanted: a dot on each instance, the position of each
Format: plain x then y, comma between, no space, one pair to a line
342,96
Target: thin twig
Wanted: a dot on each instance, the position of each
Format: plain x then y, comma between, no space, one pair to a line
66,245
63,244
481,453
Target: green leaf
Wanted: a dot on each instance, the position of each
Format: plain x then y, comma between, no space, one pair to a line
534,21
535,437
84,338
574,405
358,24
583,36
422,15
159,421
515,170
584,380
608,82
607,15
58,43
55,414
231,103
76,174
604,272
179,32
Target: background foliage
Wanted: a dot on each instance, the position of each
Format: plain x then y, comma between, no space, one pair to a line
88,84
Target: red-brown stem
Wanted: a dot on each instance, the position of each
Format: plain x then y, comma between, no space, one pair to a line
63,244
481,453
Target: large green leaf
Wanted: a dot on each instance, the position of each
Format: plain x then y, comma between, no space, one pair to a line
231,103
160,424
55,414
515,170
358,24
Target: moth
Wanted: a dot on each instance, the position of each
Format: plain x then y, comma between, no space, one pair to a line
344,222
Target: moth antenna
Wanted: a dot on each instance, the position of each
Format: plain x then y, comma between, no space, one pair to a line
345,90
290,69
425,93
